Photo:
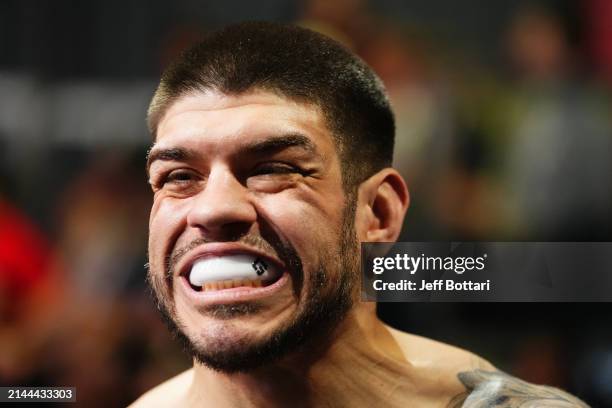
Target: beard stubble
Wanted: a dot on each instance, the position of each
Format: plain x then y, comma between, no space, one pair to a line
324,307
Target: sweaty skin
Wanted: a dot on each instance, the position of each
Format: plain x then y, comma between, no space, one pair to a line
217,187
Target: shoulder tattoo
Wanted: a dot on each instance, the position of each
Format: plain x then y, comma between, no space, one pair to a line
494,389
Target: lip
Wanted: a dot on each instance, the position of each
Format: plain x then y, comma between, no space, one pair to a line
225,295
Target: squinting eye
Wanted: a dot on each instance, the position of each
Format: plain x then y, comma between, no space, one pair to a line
179,175
176,178
275,168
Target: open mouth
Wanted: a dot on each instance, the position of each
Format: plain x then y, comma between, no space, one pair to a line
232,271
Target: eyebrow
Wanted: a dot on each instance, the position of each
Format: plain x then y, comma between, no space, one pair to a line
258,147
168,154
276,143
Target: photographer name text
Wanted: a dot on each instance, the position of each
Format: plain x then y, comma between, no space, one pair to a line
435,285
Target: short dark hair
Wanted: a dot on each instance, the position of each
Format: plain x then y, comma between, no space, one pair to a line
299,64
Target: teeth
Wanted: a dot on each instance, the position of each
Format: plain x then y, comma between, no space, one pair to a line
229,284
233,270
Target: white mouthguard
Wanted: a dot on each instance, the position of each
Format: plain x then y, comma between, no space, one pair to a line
231,267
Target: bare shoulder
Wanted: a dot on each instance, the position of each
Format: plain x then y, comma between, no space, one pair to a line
495,388
473,382
435,365
167,393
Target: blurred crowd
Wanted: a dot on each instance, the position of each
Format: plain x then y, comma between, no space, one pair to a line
515,146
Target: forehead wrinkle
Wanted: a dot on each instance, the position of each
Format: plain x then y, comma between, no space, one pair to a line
245,134
207,101
233,129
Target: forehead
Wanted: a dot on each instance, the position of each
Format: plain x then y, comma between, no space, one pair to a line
233,119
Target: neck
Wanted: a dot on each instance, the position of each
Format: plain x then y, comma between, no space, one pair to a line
361,362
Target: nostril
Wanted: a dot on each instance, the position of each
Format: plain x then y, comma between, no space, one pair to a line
228,232
233,218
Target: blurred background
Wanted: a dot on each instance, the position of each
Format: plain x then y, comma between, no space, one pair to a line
504,133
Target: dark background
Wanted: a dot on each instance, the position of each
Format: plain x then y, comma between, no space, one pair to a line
504,133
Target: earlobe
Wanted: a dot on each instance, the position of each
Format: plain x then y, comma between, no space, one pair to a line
383,201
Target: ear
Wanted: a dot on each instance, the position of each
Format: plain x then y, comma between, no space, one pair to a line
381,206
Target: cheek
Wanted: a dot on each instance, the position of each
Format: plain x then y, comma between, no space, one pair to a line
165,223
310,223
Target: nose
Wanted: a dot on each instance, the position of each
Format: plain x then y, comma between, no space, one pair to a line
222,211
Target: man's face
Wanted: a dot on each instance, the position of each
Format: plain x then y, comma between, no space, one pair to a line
253,177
